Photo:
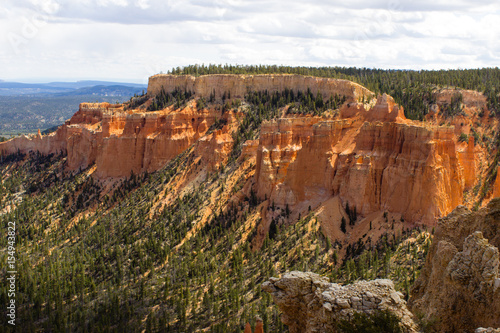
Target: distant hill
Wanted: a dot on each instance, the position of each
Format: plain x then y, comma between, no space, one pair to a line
19,88
89,83
102,90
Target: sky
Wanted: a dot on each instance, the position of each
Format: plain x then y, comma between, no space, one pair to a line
130,40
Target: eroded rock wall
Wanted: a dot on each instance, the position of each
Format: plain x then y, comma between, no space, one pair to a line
52,143
395,166
121,142
238,85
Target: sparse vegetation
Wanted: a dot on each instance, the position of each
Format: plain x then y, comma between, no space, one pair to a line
377,322
164,99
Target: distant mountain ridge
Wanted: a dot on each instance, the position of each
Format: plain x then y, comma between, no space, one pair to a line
61,88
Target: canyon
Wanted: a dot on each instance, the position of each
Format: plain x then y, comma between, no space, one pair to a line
169,211
310,303
367,154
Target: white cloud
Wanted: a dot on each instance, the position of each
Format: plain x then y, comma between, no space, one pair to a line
142,4
131,39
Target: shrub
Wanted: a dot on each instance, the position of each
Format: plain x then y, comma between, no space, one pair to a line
377,322
463,138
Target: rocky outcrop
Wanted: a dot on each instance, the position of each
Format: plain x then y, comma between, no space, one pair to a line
469,98
237,86
148,141
310,303
459,286
385,109
259,326
397,166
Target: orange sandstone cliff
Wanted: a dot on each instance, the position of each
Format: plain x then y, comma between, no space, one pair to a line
394,165
121,142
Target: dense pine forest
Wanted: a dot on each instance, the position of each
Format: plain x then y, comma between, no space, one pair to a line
99,256
97,263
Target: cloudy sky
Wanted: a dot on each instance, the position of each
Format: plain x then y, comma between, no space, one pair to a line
129,40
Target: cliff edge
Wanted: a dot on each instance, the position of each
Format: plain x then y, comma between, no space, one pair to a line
237,86
459,287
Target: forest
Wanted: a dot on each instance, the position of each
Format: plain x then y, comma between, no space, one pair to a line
93,262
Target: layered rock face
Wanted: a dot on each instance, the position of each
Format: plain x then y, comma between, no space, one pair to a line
310,303
52,143
460,283
147,141
237,86
121,142
470,98
468,162
397,165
